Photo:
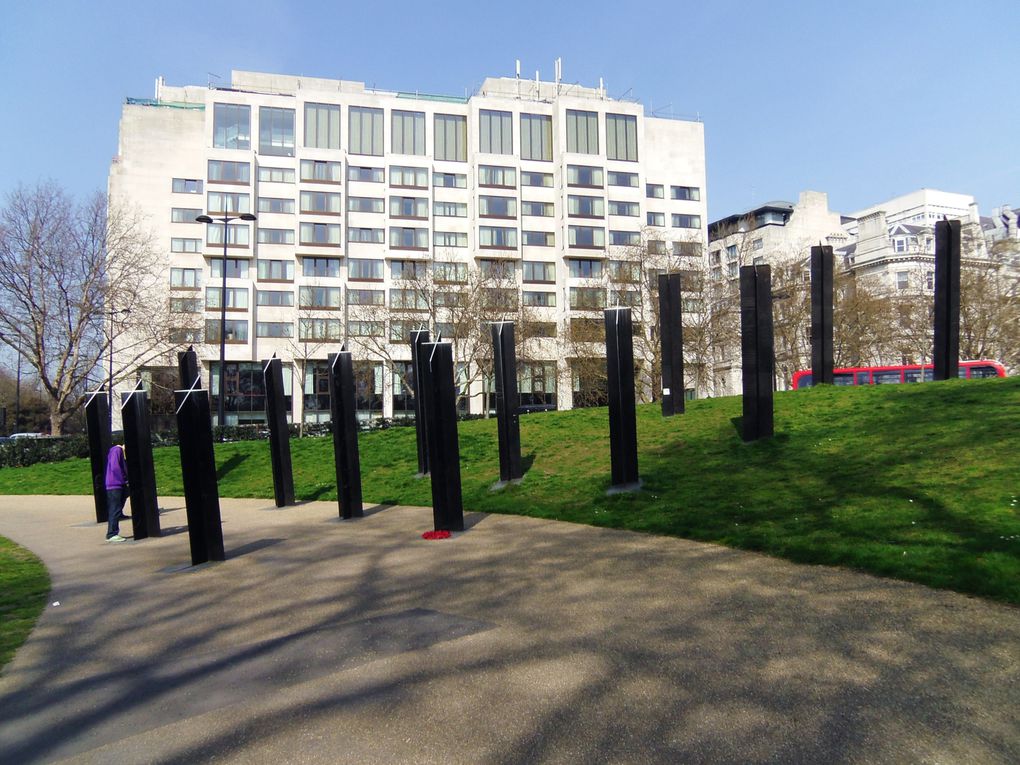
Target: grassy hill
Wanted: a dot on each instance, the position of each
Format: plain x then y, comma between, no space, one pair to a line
919,482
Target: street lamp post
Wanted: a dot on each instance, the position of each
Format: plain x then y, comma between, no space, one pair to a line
224,219
113,314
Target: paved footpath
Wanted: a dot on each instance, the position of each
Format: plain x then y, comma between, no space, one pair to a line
520,640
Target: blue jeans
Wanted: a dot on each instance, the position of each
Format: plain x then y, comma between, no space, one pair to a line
115,499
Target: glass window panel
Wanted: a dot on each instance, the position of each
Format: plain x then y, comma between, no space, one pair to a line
450,137
621,137
582,132
407,132
366,174
322,126
231,126
276,270
495,132
365,132
536,137
276,175
221,171
276,131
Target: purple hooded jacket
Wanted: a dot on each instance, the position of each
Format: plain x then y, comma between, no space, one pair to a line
116,468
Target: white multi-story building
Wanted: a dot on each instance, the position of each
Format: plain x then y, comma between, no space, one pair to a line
356,190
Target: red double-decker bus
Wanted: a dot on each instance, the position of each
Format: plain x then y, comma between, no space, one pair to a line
900,373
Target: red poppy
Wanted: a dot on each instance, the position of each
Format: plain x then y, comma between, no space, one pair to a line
436,535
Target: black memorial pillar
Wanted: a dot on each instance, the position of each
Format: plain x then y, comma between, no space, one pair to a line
671,335
756,345
622,415
821,315
134,410
508,401
418,338
198,469
97,423
946,356
441,427
279,434
187,368
345,435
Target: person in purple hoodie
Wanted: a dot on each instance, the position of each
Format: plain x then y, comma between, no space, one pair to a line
116,492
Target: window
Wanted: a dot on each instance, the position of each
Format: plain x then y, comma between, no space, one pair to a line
316,171
366,329
236,268
621,137
274,329
449,180
655,219
409,207
585,207
319,297
276,235
616,178
366,174
184,214
221,171
731,251
587,298
497,237
276,175
322,126
237,236
902,280
276,270
276,205
274,297
499,177
449,239
449,209
686,221
537,382
900,244
366,297
629,209
231,126
365,270
538,238
185,305
224,202
276,131
535,272
656,247
187,186
411,177
929,280
536,137
654,191
178,244
366,204
497,207
582,132
186,278
244,388
403,385
583,175
409,238
321,234
407,132
585,269
408,300
448,272
449,300
497,269
407,270
321,202
450,137
320,267
529,178
689,193
368,388
628,271
626,298
499,298
757,244
495,132
319,329
538,209
543,299
586,236
365,131
237,330
687,249
370,235
625,238
400,332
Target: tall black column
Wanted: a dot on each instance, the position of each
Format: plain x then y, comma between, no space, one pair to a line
345,435
622,415
187,368
97,422
756,345
946,356
671,334
134,411
418,338
198,469
441,426
508,401
821,315
279,434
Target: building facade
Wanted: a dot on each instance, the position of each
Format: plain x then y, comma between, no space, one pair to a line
379,212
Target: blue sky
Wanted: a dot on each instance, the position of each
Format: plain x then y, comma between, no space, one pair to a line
864,100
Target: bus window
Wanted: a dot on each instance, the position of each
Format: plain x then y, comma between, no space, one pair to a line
912,375
887,376
929,374
806,381
977,372
961,372
862,378
843,378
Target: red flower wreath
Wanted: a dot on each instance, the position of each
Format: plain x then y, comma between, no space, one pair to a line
436,535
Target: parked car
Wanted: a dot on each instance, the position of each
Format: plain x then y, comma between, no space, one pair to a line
28,435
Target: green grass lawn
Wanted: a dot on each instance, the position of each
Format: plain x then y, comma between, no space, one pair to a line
24,585
918,482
